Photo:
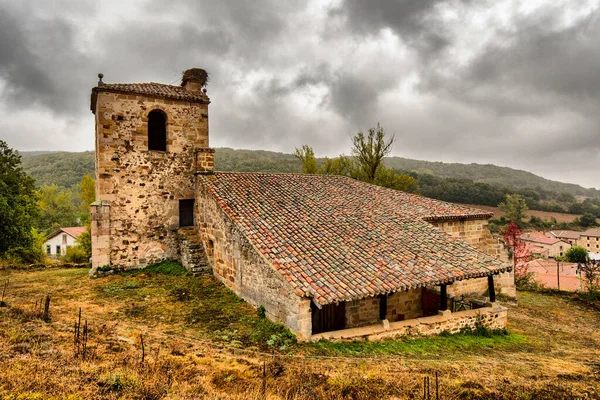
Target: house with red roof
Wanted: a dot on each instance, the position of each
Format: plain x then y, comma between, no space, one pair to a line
328,256
543,246
57,242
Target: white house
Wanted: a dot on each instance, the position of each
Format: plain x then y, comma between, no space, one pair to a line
57,242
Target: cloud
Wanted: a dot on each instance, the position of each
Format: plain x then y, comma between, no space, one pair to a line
510,82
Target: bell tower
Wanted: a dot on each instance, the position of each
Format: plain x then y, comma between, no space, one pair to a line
151,141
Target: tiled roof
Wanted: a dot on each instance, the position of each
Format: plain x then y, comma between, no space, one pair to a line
539,239
73,231
595,232
337,239
566,234
151,89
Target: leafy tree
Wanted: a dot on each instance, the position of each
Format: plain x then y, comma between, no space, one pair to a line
341,165
387,177
588,219
519,251
514,207
370,150
306,156
86,194
57,208
576,254
84,241
18,205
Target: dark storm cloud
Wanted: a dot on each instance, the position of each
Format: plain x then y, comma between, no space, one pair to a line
546,59
288,73
409,19
39,61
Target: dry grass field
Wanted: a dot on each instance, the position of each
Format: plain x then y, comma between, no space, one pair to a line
201,342
543,215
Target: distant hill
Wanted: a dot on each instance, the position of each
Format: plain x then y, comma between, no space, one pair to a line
63,169
66,169
490,174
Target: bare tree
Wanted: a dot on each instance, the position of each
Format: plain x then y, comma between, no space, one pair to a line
369,150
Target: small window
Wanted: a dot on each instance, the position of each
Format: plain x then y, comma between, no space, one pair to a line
210,248
64,238
157,131
58,250
48,249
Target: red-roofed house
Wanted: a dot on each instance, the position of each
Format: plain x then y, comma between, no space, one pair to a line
555,247
57,242
321,253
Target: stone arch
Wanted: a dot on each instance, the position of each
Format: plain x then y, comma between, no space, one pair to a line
157,130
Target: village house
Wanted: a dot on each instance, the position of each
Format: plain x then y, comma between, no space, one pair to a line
543,246
590,240
571,237
328,256
60,240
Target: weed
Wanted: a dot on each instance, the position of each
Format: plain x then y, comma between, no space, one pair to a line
261,311
165,267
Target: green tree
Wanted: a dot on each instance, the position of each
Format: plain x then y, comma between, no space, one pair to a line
588,219
576,254
341,165
18,205
306,156
86,194
57,208
514,207
389,178
369,150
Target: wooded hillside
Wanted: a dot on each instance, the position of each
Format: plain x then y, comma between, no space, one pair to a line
65,169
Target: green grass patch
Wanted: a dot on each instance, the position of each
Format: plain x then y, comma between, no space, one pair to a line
423,347
165,267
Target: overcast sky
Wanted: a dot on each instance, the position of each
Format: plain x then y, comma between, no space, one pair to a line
513,83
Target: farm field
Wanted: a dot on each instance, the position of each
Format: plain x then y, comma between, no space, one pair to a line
544,215
161,333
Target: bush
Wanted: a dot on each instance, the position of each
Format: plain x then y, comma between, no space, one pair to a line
262,312
76,255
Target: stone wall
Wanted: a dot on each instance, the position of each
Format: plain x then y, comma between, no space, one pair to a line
494,317
144,187
244,270
100,234
477,233
400,306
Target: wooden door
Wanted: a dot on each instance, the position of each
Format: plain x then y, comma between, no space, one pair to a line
331,317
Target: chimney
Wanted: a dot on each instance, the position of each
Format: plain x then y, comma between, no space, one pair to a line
194,79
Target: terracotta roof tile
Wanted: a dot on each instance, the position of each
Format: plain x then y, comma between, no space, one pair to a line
338,239
171,92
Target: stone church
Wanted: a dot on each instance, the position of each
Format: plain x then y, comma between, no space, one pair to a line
328,256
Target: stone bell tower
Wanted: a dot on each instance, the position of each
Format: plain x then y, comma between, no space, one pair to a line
151,141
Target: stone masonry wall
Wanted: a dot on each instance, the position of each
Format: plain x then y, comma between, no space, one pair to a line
100,234
144,187
476,233
244,270
400,306
494,317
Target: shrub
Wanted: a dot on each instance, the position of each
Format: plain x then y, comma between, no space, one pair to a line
166,267
262,312
76,254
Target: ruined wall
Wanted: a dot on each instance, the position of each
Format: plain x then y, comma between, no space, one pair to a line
144,187
477,233
400,306
244,270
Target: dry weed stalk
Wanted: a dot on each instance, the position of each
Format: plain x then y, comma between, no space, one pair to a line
2,302
80,338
